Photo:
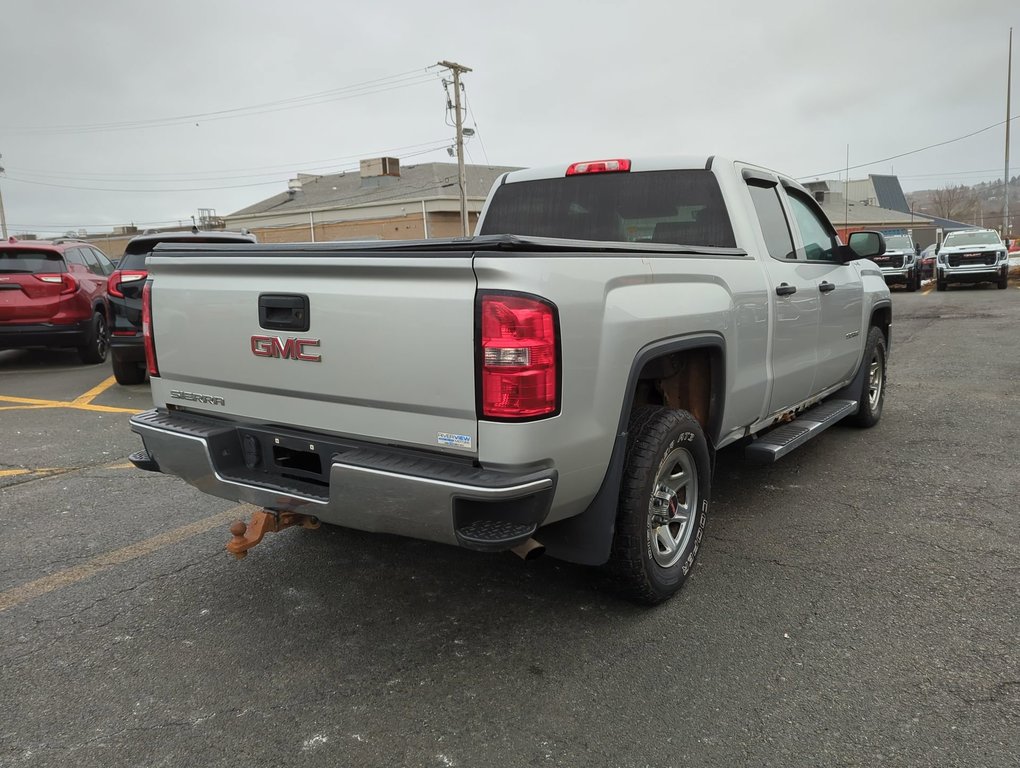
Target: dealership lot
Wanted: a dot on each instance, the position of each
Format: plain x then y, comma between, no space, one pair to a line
855,604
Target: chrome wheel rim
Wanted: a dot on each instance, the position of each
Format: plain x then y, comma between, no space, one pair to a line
876,378
672,507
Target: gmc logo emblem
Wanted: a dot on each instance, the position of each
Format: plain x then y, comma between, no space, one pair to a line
291,349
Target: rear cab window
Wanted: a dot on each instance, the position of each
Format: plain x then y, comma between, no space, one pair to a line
680,207
18,260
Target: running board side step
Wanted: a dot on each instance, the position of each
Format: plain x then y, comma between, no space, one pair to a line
775,444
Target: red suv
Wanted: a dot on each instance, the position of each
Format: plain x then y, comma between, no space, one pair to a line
53,294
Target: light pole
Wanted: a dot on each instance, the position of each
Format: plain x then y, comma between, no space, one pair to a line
3,217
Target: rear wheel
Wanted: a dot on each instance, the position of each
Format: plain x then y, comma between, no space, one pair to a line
97,343
663,504
872,394
128,371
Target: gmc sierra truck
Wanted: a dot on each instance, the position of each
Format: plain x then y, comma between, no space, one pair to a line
972,256
900,263
559,382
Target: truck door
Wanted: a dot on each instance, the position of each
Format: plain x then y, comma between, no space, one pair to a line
794,297
839,288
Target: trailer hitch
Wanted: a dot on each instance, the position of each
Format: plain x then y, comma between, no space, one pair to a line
244,536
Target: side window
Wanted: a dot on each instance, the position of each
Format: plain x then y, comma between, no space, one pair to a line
104,263
774,225
817,236
91,261
73,256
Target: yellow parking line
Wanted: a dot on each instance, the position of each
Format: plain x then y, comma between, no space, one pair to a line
16,472
43,471
66,404
928,290
65,578
25,407
96,391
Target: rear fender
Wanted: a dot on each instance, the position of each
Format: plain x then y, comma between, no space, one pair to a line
587,538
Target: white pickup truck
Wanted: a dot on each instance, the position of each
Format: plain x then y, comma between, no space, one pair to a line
559,382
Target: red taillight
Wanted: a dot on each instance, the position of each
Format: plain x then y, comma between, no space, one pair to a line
119,277
598,166
67,281
150,344
519,376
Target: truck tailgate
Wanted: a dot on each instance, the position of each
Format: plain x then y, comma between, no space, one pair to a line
393,362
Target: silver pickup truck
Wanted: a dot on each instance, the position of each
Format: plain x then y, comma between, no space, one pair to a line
560,382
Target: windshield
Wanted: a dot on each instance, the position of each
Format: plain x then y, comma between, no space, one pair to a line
983,237
898,242
31,262
678,207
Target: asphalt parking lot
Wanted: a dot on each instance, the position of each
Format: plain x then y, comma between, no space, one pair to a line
857,603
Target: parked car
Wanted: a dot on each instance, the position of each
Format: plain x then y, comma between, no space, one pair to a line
53,294
899,262
127,349
927,259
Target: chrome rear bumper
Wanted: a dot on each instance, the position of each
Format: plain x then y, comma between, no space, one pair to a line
359,485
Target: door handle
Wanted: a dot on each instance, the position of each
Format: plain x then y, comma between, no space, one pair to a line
283,312
785,289
826,286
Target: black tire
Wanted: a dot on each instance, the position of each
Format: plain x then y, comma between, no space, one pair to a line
912,282
1003,282
128,371
872,394
97,344
940,285
660,440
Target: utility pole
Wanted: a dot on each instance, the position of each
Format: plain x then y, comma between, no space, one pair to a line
457,70
1005,173
3,217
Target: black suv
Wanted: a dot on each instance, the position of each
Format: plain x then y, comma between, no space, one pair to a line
127,347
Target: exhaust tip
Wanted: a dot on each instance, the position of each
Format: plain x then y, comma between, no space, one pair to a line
529,550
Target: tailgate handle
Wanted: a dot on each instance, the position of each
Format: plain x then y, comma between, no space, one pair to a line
283,312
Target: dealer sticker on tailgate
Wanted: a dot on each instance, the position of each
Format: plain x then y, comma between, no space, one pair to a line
454,441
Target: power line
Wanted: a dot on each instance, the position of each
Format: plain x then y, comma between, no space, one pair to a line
905,154
305,166
475,122
167,190
379,85
975,172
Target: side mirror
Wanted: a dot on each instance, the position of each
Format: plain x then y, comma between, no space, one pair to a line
865,245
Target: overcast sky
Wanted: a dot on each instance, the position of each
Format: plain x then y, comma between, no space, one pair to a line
787,84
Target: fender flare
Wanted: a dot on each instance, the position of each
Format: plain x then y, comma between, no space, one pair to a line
587,538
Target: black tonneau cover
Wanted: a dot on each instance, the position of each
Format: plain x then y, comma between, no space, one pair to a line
507,243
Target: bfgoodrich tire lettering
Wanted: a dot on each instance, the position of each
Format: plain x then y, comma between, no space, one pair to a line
664,499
